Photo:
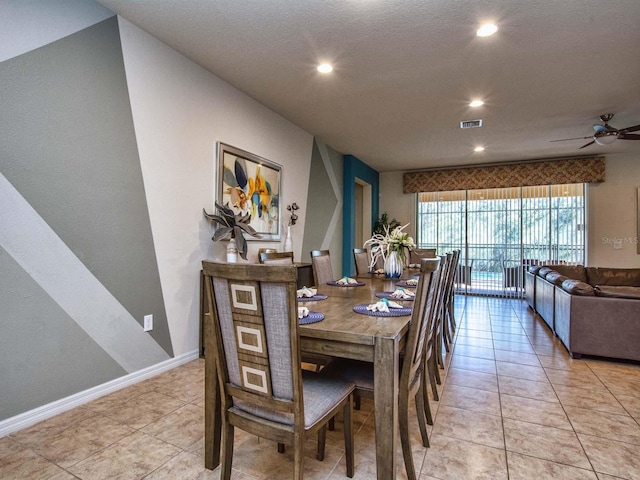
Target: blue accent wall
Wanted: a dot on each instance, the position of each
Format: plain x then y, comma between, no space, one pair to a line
355,168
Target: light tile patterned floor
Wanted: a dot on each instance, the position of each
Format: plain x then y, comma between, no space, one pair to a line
513,405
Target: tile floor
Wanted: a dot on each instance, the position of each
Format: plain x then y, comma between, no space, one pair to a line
513,405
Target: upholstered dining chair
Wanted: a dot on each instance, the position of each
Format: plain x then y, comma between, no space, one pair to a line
361,258
411,374
276,258
322,271
254,335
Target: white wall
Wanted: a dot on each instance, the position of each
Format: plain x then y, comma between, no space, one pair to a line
612,211
180,111
399,205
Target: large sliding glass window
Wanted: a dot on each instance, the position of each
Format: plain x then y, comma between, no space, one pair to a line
499,231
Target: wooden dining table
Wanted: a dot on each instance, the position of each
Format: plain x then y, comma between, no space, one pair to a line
344,333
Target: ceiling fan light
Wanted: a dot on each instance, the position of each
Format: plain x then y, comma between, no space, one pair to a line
606,139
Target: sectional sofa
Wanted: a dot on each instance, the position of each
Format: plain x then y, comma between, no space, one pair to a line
594,311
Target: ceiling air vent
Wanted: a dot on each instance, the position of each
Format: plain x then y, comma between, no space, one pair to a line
471,123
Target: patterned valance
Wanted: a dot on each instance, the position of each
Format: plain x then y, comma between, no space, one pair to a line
544,172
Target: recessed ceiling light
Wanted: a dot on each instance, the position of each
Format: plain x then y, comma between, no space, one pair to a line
478,149
325,68
476,103
486,30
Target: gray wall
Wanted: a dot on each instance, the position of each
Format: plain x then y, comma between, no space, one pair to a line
323,227
77,257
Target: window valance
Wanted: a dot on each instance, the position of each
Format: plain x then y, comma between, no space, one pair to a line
543,172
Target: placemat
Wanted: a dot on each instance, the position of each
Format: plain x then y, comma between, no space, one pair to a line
316,297
403,283
335,284
393,312
391,297
313,317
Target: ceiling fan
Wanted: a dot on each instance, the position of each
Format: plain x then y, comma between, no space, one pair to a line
606,134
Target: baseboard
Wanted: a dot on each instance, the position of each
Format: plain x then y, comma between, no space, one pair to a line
52,409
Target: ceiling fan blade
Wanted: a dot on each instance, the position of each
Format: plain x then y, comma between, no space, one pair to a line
587,144
628,136
635,128
576,138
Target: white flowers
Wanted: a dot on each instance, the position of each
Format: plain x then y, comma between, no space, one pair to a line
392,241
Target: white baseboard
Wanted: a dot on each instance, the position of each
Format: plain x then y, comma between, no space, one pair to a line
52,409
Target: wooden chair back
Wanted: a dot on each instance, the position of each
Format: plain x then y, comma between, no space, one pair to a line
418,254
361,258
322,270
276,258
252,335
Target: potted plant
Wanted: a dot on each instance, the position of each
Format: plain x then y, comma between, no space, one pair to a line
234,225
392,246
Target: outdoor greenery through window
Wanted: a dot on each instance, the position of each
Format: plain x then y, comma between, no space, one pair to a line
499,231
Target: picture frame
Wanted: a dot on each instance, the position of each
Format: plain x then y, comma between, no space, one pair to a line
250,184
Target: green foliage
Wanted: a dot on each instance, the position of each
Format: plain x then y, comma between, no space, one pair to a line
382,222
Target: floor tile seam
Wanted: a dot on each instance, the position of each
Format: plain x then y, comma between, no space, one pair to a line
628,414
552,461
563,406
474,442
169,460
99,451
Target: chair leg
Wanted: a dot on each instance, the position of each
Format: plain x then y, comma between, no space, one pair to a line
298,457
332,424
433,371
422,406
227,455
403,420
349,451
280,447
322,440
357,405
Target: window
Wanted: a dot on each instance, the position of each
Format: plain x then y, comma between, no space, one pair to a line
499,231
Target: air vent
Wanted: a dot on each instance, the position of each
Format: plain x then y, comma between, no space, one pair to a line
471,123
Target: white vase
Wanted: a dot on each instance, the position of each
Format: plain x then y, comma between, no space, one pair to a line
393,266
232,251
288,241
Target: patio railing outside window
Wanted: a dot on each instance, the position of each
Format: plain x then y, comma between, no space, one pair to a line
500,231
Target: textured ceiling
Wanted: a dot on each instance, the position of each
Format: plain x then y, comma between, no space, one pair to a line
405,71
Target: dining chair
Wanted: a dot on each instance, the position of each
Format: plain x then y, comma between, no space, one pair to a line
361,257
411,373
276,258
450,296
418,254
434,337
254,327
322,271
448,323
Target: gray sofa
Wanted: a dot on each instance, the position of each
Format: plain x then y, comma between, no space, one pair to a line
594,311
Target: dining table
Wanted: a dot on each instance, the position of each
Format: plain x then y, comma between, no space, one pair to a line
343,332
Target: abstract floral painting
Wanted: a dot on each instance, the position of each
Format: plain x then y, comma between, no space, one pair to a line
250,184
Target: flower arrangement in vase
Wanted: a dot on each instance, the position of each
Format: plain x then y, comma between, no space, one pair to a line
234,225
391,246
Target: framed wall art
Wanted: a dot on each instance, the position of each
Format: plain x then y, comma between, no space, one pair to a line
250,184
